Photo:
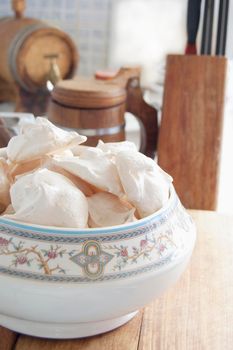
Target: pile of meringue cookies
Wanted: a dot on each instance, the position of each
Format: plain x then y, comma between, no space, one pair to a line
48,178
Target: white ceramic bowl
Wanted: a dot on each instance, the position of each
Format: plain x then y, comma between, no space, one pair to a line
69,283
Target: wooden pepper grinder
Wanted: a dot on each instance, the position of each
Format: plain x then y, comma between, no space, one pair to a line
96,108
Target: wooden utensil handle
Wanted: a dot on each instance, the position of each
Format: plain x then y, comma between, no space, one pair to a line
129,78
119,77
146,115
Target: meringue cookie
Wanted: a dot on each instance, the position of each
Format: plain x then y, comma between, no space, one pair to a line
145,183
3,153
94,167
113,148
79,149
4,186
48,198
106,209
9,210
82,185
40,138
16,169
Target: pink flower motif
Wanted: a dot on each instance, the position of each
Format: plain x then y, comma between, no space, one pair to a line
162,247
52,254
143,243
22,259
3,242
124,252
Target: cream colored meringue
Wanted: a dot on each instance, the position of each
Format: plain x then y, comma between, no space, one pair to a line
79,149
3,153
16,169
9,210
48,198
113,148
106,209
145,183
82,185
4,186
94,167
40,138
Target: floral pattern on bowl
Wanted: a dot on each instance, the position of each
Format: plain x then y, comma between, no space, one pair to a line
59,255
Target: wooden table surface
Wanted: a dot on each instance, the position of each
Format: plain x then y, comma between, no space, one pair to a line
196,313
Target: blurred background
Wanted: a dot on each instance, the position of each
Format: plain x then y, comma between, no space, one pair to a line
109,33
113,33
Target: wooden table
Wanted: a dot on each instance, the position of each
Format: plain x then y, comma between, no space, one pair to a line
197,313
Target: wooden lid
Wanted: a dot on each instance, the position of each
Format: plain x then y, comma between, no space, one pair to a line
88,93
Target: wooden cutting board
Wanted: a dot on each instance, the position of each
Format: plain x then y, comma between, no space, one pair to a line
189,145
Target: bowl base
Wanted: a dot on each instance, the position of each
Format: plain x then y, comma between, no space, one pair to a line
63,330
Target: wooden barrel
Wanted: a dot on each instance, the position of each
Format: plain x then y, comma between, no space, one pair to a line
25,43
90,107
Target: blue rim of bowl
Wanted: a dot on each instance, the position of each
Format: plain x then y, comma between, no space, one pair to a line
169,205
